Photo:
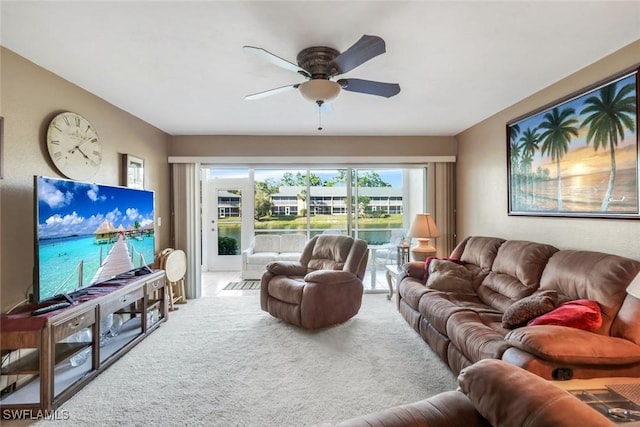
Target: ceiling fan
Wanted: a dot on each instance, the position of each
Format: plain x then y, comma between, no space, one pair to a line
320,64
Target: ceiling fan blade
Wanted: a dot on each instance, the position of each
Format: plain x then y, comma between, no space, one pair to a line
270,92
370,87
363,50
275,59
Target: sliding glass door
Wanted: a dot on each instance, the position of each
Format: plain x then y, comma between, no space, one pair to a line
374,204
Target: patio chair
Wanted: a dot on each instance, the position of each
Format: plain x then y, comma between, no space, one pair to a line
389,255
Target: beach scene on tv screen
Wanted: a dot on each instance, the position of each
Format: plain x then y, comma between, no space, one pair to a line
88,233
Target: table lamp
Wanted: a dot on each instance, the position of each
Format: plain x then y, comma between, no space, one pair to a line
422,229
634,287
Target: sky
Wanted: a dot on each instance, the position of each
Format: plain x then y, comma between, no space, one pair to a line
578,143
390,176
68,208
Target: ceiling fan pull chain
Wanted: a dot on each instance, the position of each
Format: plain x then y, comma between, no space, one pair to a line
319,102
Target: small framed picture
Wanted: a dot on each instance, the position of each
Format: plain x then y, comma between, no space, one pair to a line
132,171
1,146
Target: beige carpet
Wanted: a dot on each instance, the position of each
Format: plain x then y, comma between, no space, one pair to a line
222,362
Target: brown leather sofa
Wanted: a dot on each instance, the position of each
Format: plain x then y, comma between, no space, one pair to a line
464,324
491,393
323,288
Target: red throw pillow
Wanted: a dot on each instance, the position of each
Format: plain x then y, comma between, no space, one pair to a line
581,314
425,277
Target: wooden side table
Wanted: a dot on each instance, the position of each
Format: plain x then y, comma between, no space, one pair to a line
392,276
593,392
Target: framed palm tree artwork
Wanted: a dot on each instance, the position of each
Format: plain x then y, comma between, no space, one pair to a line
579,156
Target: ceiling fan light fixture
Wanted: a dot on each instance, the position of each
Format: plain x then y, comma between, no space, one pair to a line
320,90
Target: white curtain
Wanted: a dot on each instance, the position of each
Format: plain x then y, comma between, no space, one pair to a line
186,221
442,183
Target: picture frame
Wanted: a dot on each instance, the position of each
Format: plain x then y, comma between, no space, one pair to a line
574,157
132,171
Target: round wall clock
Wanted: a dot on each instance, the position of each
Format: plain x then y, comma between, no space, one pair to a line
74,146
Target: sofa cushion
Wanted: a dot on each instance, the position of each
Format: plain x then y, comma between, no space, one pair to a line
564,345
292,243
591,275
261,258
580,314
481,251
411,291
521,311
448,276
515,273
286,289
288,256
266,243
438,306
477,335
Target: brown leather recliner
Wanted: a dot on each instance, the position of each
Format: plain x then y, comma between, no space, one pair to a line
323,288
491,393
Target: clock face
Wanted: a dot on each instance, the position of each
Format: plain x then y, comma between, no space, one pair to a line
74,146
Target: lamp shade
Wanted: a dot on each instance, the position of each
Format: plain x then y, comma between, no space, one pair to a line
634,287
320,90
423,227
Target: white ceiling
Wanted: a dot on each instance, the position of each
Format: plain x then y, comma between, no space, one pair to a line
179,65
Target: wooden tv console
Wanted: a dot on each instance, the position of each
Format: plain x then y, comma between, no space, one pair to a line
46,352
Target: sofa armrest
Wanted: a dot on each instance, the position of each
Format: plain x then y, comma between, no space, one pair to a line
287,268
330,276
575,346
413,269
247,252
507,395
450,408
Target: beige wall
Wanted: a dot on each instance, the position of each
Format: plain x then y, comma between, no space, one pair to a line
31,96
482,176
312,146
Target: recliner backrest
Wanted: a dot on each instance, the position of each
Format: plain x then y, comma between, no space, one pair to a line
515,272
600,277
335,252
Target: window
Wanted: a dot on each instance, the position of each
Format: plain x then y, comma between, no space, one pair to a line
315,201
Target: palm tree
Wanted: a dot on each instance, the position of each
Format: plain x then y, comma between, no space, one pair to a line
556,138
609,114
514,155
526,162
529,145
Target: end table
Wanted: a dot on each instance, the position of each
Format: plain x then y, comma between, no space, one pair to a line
392,276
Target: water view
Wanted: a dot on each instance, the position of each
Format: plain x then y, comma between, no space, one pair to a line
60,260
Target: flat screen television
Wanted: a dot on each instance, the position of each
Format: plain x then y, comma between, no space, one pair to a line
87,233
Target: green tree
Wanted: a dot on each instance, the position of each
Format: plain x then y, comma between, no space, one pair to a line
339,179
263,204
514,161
300,180
609,113
514,131
371,179
302,196
559,127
